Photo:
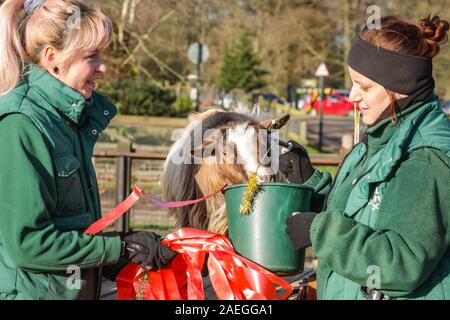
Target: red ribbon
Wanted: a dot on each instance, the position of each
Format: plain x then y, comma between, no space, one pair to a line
233,277
115,213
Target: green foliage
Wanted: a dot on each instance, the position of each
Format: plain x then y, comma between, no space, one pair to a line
241,68
134,96
183,104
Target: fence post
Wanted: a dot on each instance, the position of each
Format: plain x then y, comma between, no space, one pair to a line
123,182
346,144
303,128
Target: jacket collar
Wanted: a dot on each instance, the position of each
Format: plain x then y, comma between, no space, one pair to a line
62,97
401,142
380,134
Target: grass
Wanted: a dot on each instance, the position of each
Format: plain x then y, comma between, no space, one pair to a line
314,149
149,121
331,169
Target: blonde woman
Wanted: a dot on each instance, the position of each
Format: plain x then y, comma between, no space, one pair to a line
50,119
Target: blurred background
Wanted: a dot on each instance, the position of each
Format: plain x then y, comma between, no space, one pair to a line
256,46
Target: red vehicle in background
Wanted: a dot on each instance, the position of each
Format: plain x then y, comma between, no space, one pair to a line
334,104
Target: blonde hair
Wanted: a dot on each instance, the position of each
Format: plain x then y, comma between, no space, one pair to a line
71,26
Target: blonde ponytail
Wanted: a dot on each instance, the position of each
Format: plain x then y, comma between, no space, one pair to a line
12,54
22,43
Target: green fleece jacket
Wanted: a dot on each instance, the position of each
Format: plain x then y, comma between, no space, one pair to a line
49,191
386,220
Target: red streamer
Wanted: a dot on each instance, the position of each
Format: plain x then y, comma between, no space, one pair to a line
115,213
233,277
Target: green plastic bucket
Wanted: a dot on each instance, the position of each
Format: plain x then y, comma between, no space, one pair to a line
261,236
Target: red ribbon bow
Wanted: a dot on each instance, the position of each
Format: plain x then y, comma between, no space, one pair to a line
233,277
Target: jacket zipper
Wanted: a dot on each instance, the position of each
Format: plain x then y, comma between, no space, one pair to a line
86,200
324,209
99,269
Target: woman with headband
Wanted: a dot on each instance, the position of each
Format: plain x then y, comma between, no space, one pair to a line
384,231
50,119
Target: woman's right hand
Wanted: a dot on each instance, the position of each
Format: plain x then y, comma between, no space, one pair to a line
145,249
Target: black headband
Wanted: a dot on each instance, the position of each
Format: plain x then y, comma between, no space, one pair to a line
398,72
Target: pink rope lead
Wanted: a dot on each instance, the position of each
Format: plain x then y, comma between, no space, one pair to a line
123,207
178,204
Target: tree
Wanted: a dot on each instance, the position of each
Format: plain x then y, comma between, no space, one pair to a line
241,68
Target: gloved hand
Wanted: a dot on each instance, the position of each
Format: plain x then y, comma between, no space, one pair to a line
295,164
298,228
145,249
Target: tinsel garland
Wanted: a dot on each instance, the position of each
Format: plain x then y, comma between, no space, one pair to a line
248,199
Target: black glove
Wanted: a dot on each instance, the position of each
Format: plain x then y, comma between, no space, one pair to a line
298,227
145,249
295,164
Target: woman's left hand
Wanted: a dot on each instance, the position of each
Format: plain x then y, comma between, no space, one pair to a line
298,229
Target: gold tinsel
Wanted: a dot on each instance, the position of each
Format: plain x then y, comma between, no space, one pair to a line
143,283
249,194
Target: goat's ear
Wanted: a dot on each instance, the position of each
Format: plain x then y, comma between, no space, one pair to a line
275,123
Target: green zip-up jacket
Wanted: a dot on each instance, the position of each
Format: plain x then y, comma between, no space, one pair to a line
49,192
386,223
